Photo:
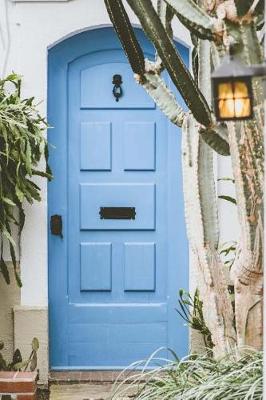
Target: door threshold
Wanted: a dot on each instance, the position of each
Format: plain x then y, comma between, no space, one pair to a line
74,377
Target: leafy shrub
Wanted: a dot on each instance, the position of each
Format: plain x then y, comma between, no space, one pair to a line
238,376
22,145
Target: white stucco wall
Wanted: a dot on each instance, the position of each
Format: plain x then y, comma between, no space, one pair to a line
31,27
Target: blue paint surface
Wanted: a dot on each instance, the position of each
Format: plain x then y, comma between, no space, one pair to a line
113,284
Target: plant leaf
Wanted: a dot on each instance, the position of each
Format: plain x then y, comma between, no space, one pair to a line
227,198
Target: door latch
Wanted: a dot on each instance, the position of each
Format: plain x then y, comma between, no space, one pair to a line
56,225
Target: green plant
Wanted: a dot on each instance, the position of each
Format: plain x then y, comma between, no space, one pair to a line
227,252
237,376
17,364
217,27
191,310
22,145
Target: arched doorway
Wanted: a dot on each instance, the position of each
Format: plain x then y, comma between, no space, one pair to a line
115,271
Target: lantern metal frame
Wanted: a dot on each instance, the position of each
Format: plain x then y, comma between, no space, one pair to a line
230,71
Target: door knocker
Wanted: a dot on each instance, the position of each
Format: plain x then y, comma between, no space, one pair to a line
117,90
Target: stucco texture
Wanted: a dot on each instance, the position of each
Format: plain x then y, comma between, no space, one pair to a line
10,296
30,322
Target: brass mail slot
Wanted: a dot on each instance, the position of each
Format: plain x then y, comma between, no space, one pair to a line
117,212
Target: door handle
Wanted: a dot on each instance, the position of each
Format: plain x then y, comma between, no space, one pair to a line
56,225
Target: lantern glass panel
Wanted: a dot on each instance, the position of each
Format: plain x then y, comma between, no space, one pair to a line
234,100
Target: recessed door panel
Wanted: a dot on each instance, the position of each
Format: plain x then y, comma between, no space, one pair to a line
95,146
96,266
96,88
94,197
139,142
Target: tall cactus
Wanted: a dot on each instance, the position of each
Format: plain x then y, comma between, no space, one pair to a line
215,25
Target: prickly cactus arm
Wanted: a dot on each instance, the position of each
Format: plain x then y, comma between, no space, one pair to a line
212,283
165,100
247,272
246,145
166,14
123,27
163,97
223,319
146,72
172,61
194,18
216,139
205,174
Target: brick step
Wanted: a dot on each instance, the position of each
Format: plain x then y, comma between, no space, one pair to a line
18,385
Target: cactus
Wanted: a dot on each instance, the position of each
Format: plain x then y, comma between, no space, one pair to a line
215,26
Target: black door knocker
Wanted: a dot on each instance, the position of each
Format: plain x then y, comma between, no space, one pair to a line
117,90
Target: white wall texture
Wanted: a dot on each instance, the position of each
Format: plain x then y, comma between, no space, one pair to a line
28,29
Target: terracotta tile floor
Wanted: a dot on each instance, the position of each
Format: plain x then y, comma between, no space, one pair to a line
84,391
84,385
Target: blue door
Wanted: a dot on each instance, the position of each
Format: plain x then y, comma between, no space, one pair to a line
115,271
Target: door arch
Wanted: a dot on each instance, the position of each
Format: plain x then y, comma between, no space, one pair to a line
113,283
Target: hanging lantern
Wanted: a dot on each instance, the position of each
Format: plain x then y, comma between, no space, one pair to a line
232,91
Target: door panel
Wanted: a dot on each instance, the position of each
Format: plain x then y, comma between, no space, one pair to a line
140,196
96,79
115,275
95,146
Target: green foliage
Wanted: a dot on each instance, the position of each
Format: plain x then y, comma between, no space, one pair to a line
227,198
237,376
228,253
17,364
22,145
191,310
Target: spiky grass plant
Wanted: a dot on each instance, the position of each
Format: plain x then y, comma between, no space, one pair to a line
237,376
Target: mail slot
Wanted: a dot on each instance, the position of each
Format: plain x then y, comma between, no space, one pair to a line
117,212
117,206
